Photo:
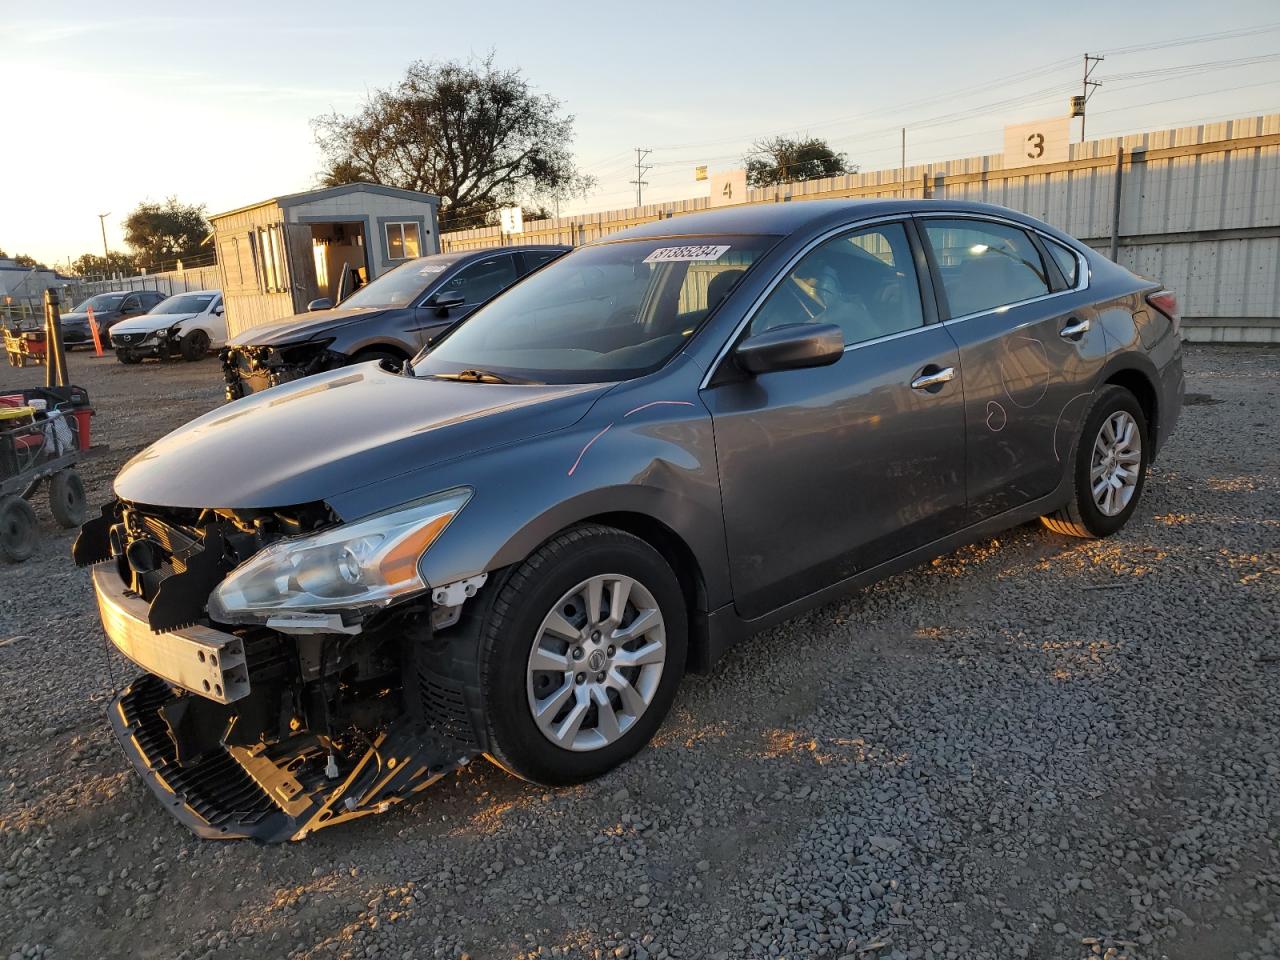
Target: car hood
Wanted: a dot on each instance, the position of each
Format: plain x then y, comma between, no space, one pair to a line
151,321
80,319
306,326
334,432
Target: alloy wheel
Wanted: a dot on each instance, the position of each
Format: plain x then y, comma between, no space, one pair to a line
1116,463
596,662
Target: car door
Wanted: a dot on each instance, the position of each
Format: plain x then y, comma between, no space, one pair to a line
1028,348
828,471
217,322
478,282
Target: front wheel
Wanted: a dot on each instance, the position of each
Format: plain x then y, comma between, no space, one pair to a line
581,653
1110,470
195,345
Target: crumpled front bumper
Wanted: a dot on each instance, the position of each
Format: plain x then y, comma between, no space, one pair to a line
197,680
239,792
251,369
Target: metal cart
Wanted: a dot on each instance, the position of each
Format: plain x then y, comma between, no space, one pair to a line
40,446
25,347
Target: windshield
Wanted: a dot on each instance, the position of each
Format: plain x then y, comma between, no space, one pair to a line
401,286
103,301
184,303
603,313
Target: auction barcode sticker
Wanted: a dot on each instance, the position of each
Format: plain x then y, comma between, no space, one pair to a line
697,251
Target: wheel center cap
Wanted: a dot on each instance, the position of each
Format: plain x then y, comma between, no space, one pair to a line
597,660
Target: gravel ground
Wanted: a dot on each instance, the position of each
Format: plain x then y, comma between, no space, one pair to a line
1033,747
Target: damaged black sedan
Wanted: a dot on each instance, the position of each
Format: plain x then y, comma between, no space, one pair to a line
340,589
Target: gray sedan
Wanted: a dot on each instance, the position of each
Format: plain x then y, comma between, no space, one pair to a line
342,589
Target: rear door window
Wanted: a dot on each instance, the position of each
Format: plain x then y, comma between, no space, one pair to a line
533,259
985,265
483,279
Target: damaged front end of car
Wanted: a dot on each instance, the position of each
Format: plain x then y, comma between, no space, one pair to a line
250,369
295,677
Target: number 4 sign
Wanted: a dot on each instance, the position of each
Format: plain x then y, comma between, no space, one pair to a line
1043,141
728,187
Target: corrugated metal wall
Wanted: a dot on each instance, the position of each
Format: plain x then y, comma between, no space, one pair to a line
1200,210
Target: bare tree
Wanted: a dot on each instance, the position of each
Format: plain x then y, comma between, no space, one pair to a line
475,135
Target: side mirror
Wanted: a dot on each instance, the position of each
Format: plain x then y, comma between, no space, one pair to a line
219,310
791,347
445,299
320,303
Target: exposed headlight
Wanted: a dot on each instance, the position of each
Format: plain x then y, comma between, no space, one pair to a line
359,565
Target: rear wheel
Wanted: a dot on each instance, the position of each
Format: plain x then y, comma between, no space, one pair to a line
66,498
1110,469
18,529
581,654
195,345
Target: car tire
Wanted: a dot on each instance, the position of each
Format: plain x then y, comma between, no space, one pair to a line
66,498
18,529
515,625
195,346
128,357
1114,443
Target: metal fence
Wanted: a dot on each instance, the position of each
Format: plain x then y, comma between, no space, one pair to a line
1199,208
169,283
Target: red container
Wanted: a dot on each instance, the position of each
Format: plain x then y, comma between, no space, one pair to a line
12,400
82,415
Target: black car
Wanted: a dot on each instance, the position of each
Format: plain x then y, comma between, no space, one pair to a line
391,318
108,308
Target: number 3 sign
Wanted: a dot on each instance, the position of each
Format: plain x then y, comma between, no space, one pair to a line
1044,141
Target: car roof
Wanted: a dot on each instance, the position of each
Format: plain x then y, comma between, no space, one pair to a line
194,293
512,248
783,219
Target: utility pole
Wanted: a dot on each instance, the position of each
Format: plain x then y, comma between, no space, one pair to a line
641,169
1090,64
102,222
902,174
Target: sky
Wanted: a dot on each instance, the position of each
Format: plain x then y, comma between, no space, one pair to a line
108,105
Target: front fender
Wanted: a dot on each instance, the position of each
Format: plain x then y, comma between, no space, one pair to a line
629,454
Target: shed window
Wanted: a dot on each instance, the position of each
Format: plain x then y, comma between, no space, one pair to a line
403,242
268,249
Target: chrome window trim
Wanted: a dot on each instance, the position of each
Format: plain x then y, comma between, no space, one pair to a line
1083,274
804,251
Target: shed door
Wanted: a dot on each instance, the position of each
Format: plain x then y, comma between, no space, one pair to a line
302,265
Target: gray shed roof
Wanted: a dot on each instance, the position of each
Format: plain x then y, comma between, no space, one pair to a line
325,193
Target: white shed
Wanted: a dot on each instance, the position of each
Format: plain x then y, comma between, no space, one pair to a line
276,256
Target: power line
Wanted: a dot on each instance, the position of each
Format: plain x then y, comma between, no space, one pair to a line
1233,34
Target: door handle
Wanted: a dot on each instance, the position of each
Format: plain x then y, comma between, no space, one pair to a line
932,377
1075,329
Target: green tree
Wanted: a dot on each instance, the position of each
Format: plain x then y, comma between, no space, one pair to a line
93,265
23,260
477,136
159,233
785,160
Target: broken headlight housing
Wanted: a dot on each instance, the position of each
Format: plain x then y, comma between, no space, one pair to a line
356,566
